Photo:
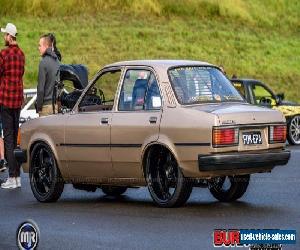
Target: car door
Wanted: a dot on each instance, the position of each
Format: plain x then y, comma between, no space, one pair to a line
135,121
87,134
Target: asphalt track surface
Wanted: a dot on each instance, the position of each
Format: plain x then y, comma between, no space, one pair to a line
82,220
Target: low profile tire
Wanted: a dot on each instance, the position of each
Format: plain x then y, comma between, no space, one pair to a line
46,181
166,183
229,188
113,190
294,130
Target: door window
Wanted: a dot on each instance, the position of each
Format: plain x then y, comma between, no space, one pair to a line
100,95
139,91
262,96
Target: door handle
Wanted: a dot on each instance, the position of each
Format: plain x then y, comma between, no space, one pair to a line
153,119
104,120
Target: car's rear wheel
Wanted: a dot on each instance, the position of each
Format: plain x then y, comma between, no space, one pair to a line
113,190
45,179
166,183
294,130
229,188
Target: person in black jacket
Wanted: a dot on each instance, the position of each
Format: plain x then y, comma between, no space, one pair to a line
48,69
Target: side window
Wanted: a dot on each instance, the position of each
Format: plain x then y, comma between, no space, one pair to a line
95,99
262,96
139,91
240,88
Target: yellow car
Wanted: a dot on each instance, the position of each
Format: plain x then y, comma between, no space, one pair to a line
257,93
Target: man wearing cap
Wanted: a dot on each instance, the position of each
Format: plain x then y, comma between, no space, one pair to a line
12,62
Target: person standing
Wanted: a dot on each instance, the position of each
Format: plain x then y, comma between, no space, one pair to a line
48,69
12,63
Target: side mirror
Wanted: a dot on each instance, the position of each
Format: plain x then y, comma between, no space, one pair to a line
265,102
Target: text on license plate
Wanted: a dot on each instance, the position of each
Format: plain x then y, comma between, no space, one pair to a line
252,138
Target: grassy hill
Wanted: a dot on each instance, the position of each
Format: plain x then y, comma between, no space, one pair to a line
257,39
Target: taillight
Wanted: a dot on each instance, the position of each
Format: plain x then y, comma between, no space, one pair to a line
222,137
277,134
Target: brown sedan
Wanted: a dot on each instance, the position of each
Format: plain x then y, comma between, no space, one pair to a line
171,125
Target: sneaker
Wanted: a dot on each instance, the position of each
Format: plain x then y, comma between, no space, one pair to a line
10,183
3,164
18,181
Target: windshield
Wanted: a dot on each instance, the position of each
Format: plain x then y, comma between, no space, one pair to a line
202,84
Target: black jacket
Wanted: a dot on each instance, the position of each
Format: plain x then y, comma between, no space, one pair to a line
48,69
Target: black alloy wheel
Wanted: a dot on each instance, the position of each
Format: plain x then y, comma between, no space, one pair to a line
166,183
45,179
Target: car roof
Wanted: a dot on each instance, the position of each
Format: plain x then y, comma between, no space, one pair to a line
159,63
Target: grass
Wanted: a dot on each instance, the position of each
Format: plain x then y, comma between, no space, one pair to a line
254,39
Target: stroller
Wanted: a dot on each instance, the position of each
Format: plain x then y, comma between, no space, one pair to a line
77,74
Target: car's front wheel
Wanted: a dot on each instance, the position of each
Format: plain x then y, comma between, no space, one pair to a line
294,130
229,188
45,179
166,183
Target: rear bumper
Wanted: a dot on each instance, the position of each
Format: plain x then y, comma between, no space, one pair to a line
20,155
243,160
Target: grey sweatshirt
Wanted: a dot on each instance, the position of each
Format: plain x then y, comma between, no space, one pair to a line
48,68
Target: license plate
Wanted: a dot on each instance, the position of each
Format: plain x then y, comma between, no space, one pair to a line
252,138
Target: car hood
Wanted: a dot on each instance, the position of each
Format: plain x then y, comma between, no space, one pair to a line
288,110
288,103
241,113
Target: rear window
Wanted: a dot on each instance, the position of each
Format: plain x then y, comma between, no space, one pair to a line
202,84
